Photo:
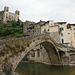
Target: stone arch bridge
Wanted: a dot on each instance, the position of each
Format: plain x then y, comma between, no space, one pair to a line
43,43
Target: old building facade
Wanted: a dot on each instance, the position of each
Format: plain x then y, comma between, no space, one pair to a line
6,16
28,28
61,32
71,27
65,35
58,31
52,29
37,27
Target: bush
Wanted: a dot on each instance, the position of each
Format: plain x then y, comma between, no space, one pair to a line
8,31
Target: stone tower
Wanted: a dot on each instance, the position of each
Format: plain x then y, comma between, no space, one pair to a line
17,13
6,9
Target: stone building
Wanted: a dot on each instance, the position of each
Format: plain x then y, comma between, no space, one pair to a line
37,27
71,27
32,28
6,16
45,28
28,27
61,32
58,31
52,29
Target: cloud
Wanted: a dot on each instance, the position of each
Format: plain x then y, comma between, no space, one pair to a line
58,10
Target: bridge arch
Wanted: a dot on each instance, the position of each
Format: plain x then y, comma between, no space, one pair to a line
50,47
37,42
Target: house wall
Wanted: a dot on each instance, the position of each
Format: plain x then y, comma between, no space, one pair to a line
73,35
37,29
54,33
65,34
45,27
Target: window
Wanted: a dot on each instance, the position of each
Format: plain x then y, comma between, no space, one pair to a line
51,24
61,34
38,53
36,30
36,33
39,29
48,29
44,24
28,30
36,25
62,40
44,29
33,53
62,28
61,24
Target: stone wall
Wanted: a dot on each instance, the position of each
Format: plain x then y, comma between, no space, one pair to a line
26,27
33,55
44,56
55,36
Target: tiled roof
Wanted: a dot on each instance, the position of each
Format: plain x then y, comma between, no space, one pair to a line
61,22
45,23
69,25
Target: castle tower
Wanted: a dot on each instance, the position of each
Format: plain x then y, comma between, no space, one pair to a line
17,12
6,8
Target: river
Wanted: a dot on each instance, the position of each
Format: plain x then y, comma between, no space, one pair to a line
41,69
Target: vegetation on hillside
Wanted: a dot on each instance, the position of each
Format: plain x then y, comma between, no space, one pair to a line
15,30
18,23
14,49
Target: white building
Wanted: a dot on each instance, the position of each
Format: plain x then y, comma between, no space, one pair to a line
65,35
58,31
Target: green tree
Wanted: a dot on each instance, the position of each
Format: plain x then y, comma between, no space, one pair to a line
4,25
18,22
14,23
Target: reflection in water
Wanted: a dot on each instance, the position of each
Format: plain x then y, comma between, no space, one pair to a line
73,72
41,69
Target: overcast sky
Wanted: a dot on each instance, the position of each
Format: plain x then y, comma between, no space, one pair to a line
35,10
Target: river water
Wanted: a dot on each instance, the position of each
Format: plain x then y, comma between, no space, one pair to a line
41,69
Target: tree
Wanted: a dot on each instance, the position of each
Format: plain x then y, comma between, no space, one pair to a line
4,25
18,22
14,23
